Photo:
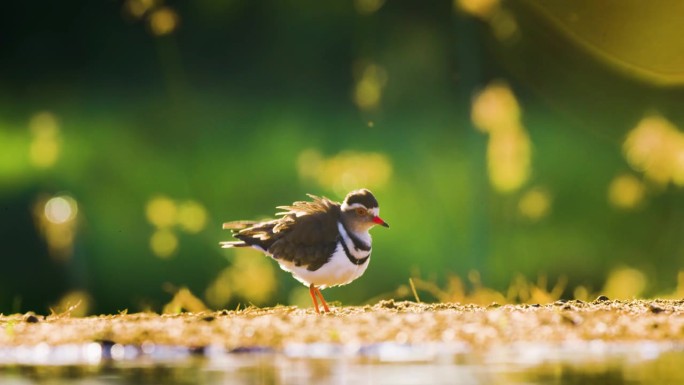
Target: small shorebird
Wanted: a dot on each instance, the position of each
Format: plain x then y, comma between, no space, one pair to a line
321,242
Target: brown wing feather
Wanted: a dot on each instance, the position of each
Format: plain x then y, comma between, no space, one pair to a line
304,235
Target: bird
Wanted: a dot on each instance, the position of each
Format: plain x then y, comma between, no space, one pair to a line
321,242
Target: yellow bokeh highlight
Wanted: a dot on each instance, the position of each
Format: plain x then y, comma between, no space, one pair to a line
163,21
220,291
192,217
184,300
163,243
656,147
624,283
369,86
496,111
502,22
45,143
44,124
251,276
482,9
162,212
138,8
345,171
626,192
535,204
55,218
75,304
367,7
504,26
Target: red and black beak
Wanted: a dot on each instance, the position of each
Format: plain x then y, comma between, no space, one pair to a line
379,221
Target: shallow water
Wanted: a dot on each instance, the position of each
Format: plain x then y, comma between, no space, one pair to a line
593,362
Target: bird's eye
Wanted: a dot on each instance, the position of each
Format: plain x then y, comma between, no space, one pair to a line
361,211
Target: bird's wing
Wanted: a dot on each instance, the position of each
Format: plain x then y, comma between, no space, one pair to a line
307,240
304,234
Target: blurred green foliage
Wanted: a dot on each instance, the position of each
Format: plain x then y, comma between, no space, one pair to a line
224,110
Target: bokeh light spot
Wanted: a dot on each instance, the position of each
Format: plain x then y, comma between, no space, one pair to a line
535,204
496,112
138,8
508,156
43,124
220,291
367,7
192,216
163,21
482,9
656,147
346,170
61,209
504,26
163,243
368,88
75,303
496,109
55,218
251,276
45,141
626,192
161,212
624,283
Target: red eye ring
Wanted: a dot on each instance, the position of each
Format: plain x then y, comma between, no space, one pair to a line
361,211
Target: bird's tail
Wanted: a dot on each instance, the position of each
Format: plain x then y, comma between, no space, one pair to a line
229,245
238,225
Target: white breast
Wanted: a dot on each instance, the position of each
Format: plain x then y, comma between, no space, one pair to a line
338,271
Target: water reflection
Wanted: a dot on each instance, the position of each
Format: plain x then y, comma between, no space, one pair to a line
593,362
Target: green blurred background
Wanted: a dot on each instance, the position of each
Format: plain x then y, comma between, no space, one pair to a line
499,137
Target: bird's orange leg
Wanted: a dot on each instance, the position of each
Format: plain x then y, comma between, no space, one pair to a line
312,291
320,295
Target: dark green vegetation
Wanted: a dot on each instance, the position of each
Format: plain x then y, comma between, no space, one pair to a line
123,147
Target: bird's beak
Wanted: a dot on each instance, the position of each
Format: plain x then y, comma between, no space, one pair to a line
379,221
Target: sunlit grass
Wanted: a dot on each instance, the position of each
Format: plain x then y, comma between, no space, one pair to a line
622,283
184,300
252,280
73,304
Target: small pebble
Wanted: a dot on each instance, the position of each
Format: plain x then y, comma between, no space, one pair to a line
32,319
602,298
655,309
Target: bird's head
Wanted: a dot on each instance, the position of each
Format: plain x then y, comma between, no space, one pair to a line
360,211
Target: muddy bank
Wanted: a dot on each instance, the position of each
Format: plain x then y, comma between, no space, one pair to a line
387,321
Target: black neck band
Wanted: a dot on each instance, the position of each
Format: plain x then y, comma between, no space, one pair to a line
356,261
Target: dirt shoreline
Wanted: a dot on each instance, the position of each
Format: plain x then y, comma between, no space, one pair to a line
387,321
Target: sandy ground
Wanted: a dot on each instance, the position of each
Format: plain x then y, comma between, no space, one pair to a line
402,322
